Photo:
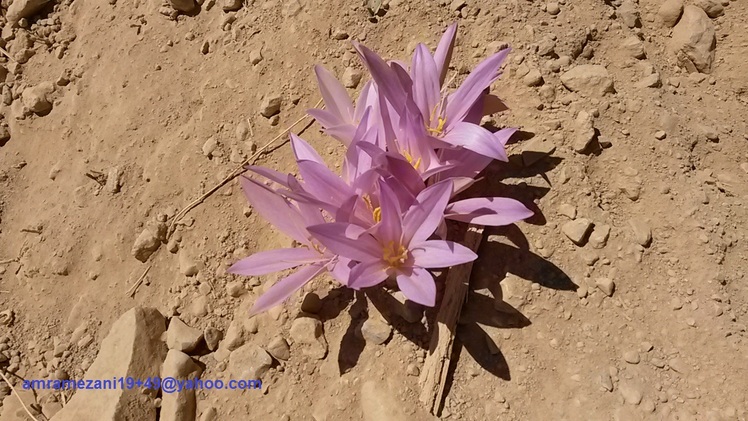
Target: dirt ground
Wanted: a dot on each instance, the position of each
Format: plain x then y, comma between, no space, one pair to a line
121,113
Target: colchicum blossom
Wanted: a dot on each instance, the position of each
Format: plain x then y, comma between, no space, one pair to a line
399,244
411,148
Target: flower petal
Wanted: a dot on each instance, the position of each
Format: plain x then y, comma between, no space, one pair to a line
461,100
347,240
388,83
303,151
443,53
418,286
440,254
477,139
277,210
368,274
390,227
285,287
273,261
425,77
491,211
334,93
422,219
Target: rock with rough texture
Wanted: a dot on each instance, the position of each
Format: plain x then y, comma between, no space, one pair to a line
212,337
642,232
577,230
36,98
185,6
599,236
631,393
588,79
606,285
311,303
712,8
180,405
149,241
694,41
635,47
351,77
132,348
20,9
308,334
249,362
629,14
533,78
231,5
181,337
669,12
271,105
376,331
279,349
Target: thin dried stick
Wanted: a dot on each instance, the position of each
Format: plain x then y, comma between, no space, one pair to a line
7,54
6,261
237,172
13,389
436,367
133,289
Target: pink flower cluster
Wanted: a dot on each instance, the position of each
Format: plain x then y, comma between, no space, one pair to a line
411,148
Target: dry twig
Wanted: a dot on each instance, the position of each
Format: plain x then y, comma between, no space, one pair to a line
7,54
13,389
436,367
134,288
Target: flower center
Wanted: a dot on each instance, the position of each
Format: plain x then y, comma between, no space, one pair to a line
439,127
376,213
410,159
394,254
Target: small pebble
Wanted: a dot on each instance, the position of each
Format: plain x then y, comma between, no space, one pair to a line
660,134
631,357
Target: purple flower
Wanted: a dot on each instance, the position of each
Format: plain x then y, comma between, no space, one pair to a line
292,220
398,246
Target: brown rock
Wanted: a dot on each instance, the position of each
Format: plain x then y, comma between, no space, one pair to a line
694,41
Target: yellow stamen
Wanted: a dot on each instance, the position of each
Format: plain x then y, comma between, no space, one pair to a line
394,255
409,158
439,127
377,213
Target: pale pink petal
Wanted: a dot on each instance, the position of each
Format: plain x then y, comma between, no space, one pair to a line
303,151
347,240
418,286
273,261
477,139
440,254
285,287
461,100
443,53
277,210
422,219
334,93
491,211
369,274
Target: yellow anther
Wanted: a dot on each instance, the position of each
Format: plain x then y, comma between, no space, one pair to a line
409,158
377,213
394,255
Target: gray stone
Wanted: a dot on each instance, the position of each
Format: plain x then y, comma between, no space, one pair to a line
235,336
642,232
588,79
180,405
650,81
569,211
577,230
235,289
255,56
552,8
606,285
279,348
181,337
148,241
307,332
271,105
606,381
231,5
249,362
670,12
132,348
376,331
694,41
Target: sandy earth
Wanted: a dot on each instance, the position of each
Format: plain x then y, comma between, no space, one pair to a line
646,322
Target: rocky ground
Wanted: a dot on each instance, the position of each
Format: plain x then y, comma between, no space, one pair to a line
624,298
